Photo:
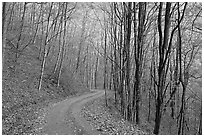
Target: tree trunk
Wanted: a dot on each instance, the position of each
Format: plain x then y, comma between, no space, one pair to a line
45,51
138,57
157,117
87,66
105,62
4,31
42,68
200,124
21,29
96,71
163,43
126,51
182,113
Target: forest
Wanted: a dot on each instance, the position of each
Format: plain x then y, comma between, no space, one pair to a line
148,54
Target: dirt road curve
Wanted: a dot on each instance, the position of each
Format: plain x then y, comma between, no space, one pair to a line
64,117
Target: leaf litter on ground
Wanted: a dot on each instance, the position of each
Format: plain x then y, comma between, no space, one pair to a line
107,120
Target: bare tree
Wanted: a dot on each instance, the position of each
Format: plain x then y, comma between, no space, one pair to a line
138,57
45,49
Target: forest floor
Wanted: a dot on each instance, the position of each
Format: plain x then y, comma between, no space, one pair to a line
108,120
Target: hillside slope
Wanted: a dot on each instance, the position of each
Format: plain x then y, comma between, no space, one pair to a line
21,100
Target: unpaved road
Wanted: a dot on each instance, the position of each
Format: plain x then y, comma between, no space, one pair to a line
64,117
